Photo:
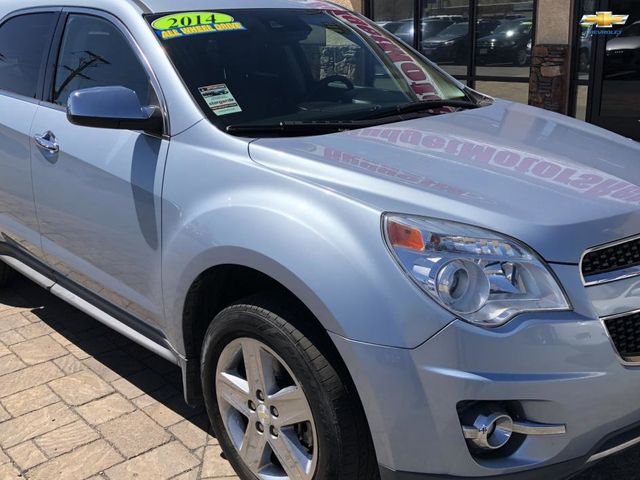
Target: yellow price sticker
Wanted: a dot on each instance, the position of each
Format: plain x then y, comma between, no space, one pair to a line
190,19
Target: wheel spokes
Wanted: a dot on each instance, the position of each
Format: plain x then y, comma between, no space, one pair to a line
235,391
253,448
291,405
288,450
266,412
258,367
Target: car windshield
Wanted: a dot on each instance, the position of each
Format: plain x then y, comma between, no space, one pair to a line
506,27
269,66
511,28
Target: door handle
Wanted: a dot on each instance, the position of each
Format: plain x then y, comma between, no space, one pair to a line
47,141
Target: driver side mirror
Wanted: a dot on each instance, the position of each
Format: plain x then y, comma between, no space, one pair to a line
113,108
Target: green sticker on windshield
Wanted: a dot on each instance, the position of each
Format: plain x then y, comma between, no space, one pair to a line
194,23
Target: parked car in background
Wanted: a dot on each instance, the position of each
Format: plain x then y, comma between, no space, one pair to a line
392,26
430,28
364,269
623,51
452,44
509,42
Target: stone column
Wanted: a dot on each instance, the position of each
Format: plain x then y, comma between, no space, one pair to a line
356,5
550,57
549,82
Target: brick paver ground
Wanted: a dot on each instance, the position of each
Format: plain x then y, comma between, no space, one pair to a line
79,401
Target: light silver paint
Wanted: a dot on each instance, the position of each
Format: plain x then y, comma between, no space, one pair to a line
306,211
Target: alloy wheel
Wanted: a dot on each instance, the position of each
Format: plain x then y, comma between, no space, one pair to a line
265,412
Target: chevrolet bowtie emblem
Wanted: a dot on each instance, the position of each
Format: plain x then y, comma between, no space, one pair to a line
604,19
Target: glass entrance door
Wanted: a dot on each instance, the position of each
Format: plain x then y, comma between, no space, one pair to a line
615,100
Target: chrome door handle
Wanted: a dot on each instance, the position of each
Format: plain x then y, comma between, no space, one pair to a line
47,141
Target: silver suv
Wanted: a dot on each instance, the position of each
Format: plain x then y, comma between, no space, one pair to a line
363,268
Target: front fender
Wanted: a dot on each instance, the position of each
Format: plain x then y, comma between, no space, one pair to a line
325,248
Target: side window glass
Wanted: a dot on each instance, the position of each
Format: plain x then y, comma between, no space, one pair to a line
94,53
24,40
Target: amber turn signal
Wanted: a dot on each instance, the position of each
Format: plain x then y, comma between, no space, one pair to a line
404,236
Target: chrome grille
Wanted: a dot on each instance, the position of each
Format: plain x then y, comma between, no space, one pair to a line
624,331
604,260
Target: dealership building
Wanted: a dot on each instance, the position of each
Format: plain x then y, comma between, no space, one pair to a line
531,51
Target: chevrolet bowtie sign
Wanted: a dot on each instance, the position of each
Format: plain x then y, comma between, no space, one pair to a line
604,19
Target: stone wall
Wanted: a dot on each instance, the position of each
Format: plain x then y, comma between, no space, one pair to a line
352,4
548,85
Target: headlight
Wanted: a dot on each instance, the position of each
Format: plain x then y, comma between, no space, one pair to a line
476,274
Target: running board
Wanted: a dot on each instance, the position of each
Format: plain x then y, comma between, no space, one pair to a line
91,310
28,272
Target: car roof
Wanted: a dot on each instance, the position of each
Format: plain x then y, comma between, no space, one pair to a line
160,6
184,5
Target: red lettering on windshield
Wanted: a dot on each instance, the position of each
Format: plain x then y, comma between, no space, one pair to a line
415,75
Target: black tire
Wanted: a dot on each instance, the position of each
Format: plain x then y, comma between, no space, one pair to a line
5,274
345,450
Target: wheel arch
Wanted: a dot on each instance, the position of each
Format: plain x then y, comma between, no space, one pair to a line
226,283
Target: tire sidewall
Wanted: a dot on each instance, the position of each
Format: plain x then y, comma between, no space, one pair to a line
238,322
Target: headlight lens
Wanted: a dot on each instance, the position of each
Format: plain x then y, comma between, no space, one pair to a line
476,274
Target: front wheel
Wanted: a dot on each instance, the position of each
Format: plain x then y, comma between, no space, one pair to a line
278,406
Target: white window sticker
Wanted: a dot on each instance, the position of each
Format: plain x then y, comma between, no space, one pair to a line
220,99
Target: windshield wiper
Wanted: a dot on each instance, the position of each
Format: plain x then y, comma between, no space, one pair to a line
414,107
298,127
319,126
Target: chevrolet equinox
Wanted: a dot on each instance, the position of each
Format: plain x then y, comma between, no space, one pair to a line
364,269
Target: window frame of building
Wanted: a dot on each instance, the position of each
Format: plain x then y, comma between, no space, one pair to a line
575,82
471,77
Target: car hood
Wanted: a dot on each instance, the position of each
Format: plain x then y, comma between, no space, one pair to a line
558,184
440,39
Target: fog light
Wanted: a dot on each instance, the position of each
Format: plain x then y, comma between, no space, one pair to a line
490,432
488,427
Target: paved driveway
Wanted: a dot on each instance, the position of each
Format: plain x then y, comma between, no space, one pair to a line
79,401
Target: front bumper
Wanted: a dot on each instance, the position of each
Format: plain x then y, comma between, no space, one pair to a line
560,367
561,470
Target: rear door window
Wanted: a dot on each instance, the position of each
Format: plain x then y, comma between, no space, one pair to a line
24,43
